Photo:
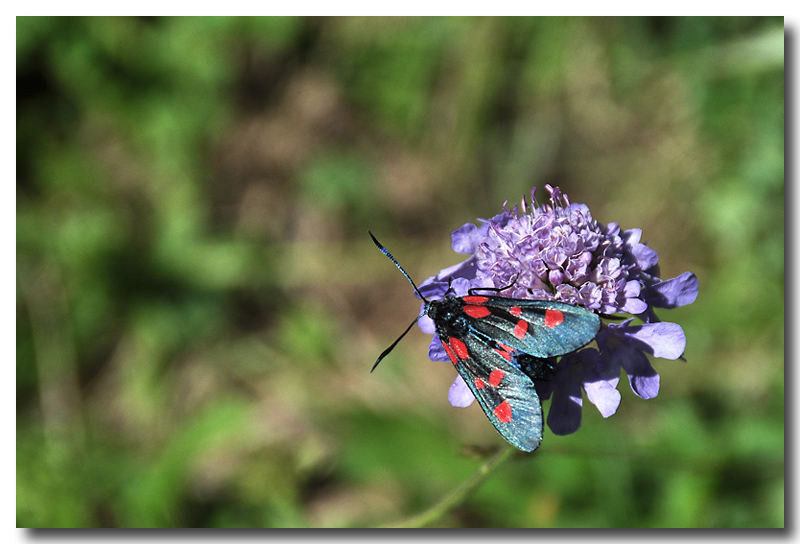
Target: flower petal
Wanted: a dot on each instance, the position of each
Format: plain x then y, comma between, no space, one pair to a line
465,239
426,324
436,351
674,292
604,395
645,385
645,256
600,382
459,395
620,348
634,306
665,340
460,287
632,236
564,416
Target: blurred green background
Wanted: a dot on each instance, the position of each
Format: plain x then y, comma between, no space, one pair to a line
199,303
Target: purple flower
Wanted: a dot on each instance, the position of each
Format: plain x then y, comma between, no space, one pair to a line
556,251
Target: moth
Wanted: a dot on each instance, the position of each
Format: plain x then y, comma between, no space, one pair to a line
499,346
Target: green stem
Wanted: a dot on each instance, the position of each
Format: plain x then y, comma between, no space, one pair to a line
459,494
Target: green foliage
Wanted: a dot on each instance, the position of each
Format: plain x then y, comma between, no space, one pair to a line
198,303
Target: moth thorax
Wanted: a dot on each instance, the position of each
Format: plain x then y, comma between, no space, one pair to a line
448,315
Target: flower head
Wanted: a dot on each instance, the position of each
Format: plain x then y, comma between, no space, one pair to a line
557,251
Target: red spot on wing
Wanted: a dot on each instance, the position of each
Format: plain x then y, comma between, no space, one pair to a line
504,351
516,311
476,311
496,377
450,353
459,348
503,412
521,329
553,318
479,383
472,299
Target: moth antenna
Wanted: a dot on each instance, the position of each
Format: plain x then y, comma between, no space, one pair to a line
497,289
449,286
390,348
400,268
414,285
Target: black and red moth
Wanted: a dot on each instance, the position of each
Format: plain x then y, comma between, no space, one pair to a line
499,346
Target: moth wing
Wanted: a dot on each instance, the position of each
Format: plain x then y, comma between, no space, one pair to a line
539,328
506,395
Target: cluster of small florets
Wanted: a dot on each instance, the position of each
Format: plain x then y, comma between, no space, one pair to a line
557,251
